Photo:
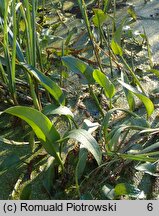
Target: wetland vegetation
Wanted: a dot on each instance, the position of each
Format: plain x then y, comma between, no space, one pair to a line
78,100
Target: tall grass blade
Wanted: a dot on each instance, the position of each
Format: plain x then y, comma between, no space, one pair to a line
14,48
46,82
146,101
128,94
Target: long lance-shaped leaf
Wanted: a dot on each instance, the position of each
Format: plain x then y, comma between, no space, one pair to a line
83,155
19,52
41,126
117,133
6,47
46,82
138,157
79,67
129,95
13,46
83,152
150,148
116,40
117,50
107,117
149,168
114,141
57,110
106,5
88,142
146,101
104,82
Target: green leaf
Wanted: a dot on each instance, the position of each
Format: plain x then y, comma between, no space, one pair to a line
155,71
99,18
46,82
105,123
50,176
132,12
79,67
26,192
146,101
83,154
116,40
126,189
128,94
8,162
104,82
38,121
138,157
90,126
3,61
2,8
114,135
117,50
139,121
150,148
53,109
115,138
107,4
87,140
22,26
150,130
108,191
118,33
149,168
41,126
19,52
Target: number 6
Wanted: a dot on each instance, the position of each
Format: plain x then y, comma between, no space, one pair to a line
149,206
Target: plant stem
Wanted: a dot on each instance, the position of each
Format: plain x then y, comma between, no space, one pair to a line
114,15
109,50
106,5
34,38
148,50
133,74
31,46
96,100
14,53
3,75
83,9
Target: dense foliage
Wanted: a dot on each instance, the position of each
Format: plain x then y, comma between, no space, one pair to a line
82,120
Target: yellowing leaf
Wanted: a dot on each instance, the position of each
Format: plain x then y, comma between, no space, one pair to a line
125,188
117,50
132,13
99,17
22,25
